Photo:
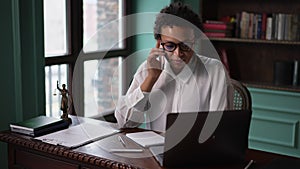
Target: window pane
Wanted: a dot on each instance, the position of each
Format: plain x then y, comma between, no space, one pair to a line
101,85
101,29
55,27
52,75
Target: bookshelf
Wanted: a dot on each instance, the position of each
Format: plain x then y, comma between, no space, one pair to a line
274,125
252,60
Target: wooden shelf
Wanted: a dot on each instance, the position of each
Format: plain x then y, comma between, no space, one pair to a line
256,41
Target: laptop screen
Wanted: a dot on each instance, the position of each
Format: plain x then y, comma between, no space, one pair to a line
226,144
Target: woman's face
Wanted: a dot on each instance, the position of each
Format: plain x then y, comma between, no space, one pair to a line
178,43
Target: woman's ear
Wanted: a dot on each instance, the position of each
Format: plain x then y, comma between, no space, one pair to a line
158,43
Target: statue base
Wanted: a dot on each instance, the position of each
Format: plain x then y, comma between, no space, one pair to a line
66,118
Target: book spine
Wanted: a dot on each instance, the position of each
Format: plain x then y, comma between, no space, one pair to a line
214,22
216,34
295,74
294,27
298,30
244,24
237,25
280,30
263,26
274,26
216,26
269,28
287,27
258,26
251,25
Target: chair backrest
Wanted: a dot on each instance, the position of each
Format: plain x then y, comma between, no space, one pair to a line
241,96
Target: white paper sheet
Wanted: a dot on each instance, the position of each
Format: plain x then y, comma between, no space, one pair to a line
147,138
78,135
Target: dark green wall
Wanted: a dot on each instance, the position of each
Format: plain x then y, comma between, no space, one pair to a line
21,63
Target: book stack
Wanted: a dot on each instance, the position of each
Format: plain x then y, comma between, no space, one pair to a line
38,126
217,29
268,26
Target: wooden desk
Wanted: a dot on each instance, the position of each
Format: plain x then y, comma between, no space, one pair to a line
24,152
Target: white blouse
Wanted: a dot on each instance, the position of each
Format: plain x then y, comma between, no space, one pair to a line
202,85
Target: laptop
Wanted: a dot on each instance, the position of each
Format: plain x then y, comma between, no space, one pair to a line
227,143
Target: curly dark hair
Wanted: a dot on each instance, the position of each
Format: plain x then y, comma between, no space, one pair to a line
166,18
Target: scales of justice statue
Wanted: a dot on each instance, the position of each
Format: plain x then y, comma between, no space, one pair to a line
64,104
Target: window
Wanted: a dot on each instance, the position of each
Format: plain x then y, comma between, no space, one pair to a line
102,87
53,74
99,33
55,27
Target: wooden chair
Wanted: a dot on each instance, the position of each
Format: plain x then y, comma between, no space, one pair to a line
241,96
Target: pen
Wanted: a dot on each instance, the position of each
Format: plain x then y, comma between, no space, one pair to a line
249,164
122,141
132,150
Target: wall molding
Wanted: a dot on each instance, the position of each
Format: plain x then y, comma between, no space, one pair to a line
293,125
276,109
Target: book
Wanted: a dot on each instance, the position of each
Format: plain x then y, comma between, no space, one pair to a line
237,25
295,27
280,23
146,138
283,72
251,25
269,28
218,30
258,26
217,25
218,34
39,125
296,73
263,26
244,24
79,135
274,26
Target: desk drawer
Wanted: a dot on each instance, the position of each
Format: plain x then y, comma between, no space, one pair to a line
34,161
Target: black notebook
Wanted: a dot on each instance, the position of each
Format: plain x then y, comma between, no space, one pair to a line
38,126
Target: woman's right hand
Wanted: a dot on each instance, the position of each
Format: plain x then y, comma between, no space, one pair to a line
153,67
154,61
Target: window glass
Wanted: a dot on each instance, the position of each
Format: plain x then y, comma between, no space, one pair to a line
101,89
52,75
55,27
102,30
101,85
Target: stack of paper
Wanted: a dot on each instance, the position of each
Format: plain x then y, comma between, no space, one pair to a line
147,138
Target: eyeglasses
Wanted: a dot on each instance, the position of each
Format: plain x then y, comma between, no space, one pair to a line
171,46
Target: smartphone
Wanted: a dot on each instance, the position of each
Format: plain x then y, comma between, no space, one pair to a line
161,59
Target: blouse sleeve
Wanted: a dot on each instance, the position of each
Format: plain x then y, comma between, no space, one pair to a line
131,107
